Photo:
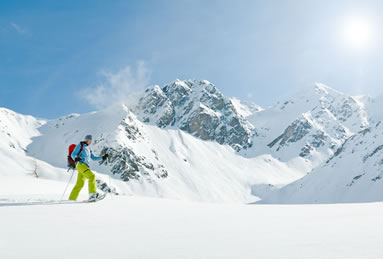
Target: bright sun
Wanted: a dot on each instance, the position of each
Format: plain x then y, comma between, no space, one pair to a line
357,33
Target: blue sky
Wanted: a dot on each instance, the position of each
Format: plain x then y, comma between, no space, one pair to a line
56,55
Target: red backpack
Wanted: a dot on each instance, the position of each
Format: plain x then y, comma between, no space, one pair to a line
71,162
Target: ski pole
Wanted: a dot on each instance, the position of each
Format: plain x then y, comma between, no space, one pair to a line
62,196
110,186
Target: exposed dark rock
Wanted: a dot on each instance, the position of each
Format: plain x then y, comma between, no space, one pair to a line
292,134
198,108
125,163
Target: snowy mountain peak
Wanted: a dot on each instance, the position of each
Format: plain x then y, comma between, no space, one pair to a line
324,89
197,107
308,128
317,92
16,130
346,109
245,108
189,85
353,173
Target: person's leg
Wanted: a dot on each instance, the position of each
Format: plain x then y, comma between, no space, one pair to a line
92,187
77,188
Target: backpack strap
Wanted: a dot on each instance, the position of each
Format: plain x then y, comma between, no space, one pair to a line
82,147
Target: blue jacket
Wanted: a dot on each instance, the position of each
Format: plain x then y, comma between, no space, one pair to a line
85,154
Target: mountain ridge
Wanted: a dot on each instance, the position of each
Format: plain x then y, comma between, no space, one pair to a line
250,151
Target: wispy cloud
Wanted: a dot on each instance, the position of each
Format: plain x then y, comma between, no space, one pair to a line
119,87
18,28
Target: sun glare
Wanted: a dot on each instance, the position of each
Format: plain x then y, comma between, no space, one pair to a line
357,33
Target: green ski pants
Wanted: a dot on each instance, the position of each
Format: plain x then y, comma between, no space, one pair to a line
83,173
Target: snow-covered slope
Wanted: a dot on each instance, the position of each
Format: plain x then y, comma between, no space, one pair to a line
161,162
353,174
21,172
16,131
375,109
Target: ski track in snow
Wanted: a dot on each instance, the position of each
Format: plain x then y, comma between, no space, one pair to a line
8,203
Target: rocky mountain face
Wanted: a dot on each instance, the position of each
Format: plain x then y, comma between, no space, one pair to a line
354,173
196,107
126,162
320,126
308,128
311,125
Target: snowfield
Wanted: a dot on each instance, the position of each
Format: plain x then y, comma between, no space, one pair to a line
137,227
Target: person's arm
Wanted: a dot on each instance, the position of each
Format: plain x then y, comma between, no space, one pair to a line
96,158
75,151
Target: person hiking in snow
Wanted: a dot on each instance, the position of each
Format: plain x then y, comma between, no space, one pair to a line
82,155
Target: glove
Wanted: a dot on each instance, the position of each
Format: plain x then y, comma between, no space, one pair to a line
105,156
77,159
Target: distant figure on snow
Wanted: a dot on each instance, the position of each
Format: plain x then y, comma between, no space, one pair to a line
82,155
